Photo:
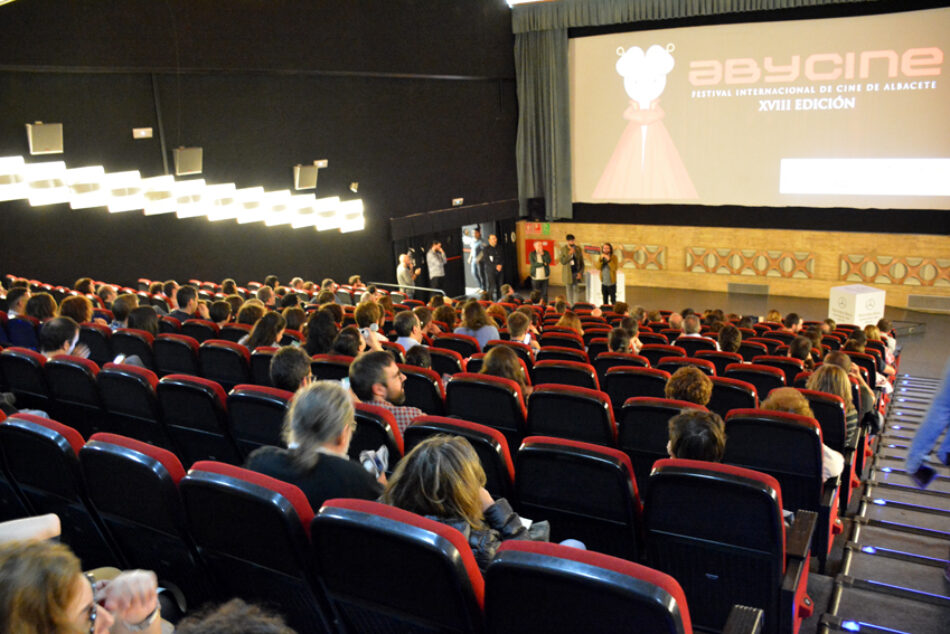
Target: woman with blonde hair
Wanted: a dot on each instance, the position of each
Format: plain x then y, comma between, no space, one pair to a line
442,479
774,316
833,379
570,320
873,333
788,399
504,362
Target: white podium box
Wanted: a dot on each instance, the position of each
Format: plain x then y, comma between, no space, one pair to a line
594,294
856,304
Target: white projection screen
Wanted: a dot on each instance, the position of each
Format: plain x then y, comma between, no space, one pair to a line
838,112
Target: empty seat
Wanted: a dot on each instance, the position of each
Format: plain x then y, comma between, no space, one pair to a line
561,340
252,533
167,325
330,367
719,359
23,375
200,329
194,412
130,341
225,362
98,339
596,346
260,364
134,488
376,427
131,405
22,332
565,373
74,394
41,456
750,349
672,364
586,491
829,411
644,430
445,361
606,360
523,350
175,354
752,438
771,344
654,352
388,570
765,378
424,389
729,394
791,367
542,587
625,382
560,353
256,416
572,412
489,400
13,505
655,338
489,443
731,551
693,344
463,344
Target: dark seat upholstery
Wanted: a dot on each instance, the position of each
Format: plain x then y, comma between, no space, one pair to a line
729,394
375,427
750,349
256,416
200,329
330,367
225,362
542,587
130,341
134,487
672,364
73,392
267,561
195,415
131,405
644,430
566,411
260,364
234,332
654,352
606,360
565,373
28,442
98,339
765,378
23,375
366,553
175,354
424,389
791,367
625,382
445,361
719,359
560,353
694,344
586,491
489,400
731,551
463,344
523,350
561,340
489,443
22,332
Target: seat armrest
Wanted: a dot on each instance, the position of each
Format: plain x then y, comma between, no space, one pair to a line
798,536
744,620
830,491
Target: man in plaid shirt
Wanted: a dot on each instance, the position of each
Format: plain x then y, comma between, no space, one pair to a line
377,380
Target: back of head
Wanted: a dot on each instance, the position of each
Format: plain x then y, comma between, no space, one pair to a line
368,370
37,584
730,338
440,477
144,318
272,281
420,357
233,617
41,306
317,416
504,362
289,300
228,286
689,384
266,330
800,348
518,324
250,313
474,316
791,320
288,367
184,296
832,379
84,285
76,307
884,325
787,399
570,320
56,332
621,308
838,358
15,295
404,323
123,305
264,293
631,326
446,314
692,324
295,316
220,311
324,297
423,314
366,314
697,435
618,340
347,342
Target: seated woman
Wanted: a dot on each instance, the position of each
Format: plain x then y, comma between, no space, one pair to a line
42,589
788,399
442,479
41,306
570,320
144,318
689,384
504,362
697,435
476,323
320,330
268,331
79,309
833,379
318,428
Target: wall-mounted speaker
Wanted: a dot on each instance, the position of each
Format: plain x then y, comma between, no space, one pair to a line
45,138
187,160
305,176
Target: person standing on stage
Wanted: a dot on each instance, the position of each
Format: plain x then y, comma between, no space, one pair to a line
435,260
540,269
494,270
476,256
572,268
608,274
405,275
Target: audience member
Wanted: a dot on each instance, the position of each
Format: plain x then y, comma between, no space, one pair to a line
570,320
675,321
773,316
266,296
144,318
236,302
476,323
348,342
446,315
220,312
336,310
367,316
41,306
692,325
290,369
121,308
79,309
832,379
689,384
273,281
697,435
295,317
442,479
106,293
59,336
504,362
317,430
792,323
407,326
17,298
229,286
420,357
788,399
186,298
424,315
377,380
85,285
518,325
268,331
250,313
233,617
800,348
618,340
730,338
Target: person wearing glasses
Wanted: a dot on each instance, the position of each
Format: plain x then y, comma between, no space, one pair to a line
318,428
42,589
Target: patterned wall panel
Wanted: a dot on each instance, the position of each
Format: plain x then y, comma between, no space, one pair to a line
752,262
646,257
888,269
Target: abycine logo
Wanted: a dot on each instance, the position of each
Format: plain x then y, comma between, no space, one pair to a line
871,304
842,302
